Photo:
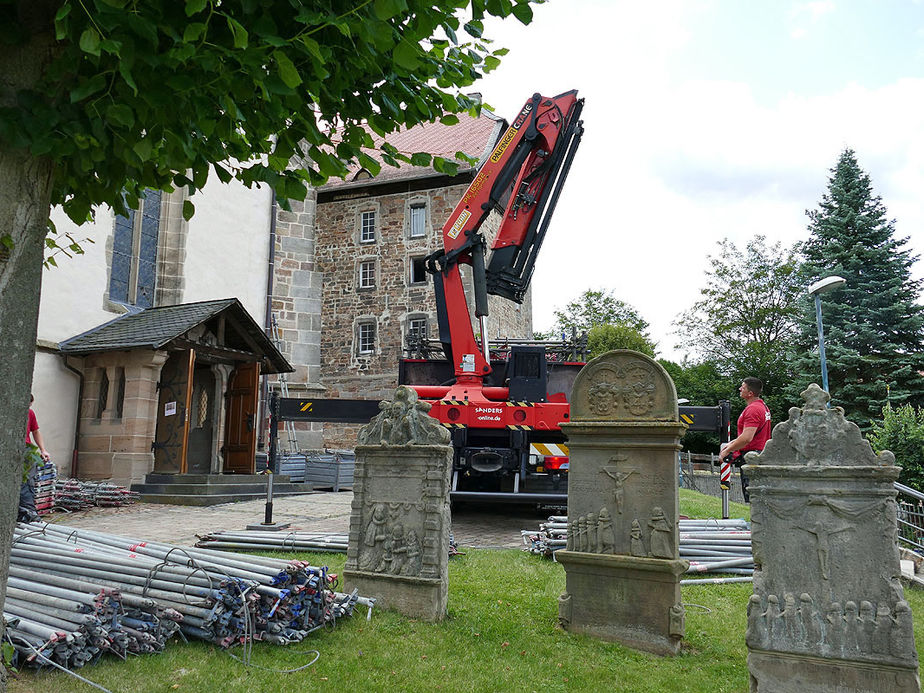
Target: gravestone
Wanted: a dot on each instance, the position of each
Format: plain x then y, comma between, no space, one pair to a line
398,549
828,611
621,561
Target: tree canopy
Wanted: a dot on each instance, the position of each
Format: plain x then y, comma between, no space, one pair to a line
873,326
745,321
595,307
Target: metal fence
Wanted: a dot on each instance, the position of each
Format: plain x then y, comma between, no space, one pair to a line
701,473
910,517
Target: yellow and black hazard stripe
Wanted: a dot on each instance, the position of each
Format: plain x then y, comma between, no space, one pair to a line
452,425
549,449
519,404
453,402
687,418
514,427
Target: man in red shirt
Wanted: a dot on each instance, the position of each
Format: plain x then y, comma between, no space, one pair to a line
753,428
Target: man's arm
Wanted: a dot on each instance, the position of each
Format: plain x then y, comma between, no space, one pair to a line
747,435
37,437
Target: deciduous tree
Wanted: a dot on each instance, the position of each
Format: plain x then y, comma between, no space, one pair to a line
100,99
597,307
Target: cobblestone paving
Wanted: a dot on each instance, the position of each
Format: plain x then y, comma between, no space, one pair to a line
482,526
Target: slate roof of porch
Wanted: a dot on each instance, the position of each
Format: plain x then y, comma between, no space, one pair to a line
156,328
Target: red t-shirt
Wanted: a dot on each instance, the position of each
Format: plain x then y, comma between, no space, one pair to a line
31,426
755,415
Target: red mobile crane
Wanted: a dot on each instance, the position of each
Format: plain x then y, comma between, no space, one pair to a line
495,420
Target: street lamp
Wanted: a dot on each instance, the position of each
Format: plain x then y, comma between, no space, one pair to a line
823,286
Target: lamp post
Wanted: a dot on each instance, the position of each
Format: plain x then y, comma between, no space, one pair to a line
823,286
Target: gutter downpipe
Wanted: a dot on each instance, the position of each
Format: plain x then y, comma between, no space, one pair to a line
268,317
79,375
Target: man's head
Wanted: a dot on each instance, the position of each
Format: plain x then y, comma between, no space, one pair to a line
751,387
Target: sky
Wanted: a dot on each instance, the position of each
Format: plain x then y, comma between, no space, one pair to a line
706,120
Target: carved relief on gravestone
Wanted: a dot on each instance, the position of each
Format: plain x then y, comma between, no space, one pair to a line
824,537
403,421
622,386
391,539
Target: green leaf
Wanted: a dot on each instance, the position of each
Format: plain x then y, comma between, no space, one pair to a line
89,41
224,175
287,69
116,3
491,63
523,12
188,209
313,48
127,76
143,149
193,31
121,114
60,24
386,9
194,6
449,119
238,32
91,86
405,55
474,28
421,159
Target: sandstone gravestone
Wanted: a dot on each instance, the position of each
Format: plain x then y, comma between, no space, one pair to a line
828,611
621,561
398,547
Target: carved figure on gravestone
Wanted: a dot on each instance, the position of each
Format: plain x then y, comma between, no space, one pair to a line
811,621
883,630
676,622
902,638
572,530
564,610
411,565
896,592
867,626
373,536
851,628
756,634
619,493
636,543
774,621
388,545
582,534
606,539
823,533
662,534
591,532
834,628
398,549
791,619
403,421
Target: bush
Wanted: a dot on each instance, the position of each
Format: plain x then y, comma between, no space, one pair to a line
902,432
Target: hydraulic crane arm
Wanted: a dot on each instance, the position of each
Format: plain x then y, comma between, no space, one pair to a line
523,176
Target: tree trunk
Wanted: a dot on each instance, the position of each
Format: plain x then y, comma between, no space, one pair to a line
25,193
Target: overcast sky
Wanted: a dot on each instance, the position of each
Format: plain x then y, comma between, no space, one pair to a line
711,119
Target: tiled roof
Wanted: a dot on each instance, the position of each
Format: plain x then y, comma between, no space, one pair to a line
155,328
474,136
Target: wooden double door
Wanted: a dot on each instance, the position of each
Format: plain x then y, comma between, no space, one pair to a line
187,415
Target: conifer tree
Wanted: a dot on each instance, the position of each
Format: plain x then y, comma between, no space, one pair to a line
874,342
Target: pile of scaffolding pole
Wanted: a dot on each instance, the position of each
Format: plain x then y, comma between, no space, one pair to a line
717,546
280,540
145,591
551,536
73,494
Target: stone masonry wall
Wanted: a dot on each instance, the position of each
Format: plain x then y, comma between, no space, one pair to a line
393,300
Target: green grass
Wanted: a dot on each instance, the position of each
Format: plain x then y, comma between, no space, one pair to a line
500,635
698,505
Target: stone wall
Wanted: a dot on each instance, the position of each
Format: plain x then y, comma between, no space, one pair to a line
395,297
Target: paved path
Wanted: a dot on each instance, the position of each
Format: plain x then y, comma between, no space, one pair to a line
487,527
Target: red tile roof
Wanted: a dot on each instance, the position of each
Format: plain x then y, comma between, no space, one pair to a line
474,136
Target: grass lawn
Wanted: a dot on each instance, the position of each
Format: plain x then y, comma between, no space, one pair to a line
500,635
